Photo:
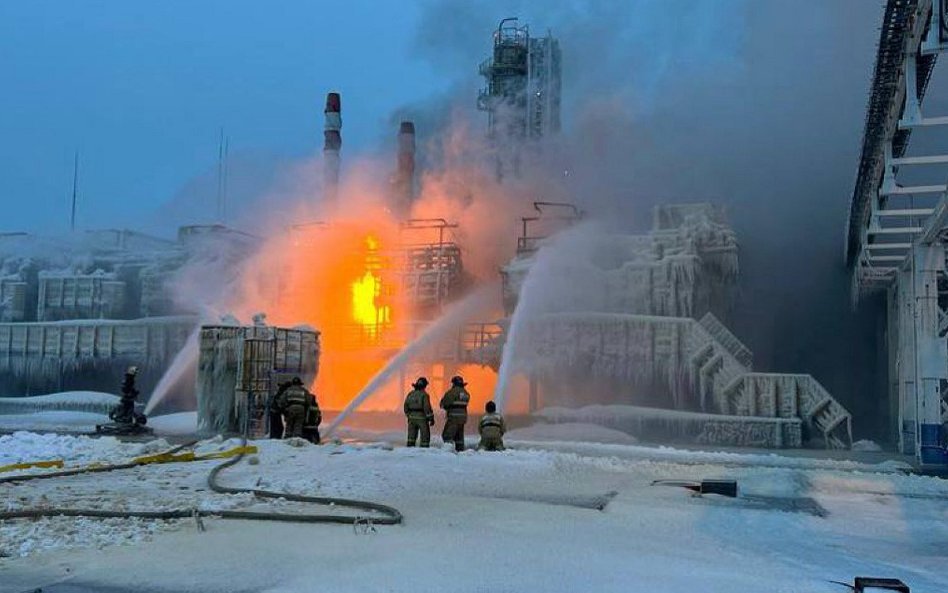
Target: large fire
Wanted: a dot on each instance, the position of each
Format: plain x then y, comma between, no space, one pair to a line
343,276
344,279
367,308
338,278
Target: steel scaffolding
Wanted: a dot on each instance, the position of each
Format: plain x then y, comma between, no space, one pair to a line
522,96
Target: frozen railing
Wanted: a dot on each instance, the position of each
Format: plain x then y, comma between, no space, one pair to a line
701,371
823,412
550,219
143,341
430,264
731,342
788,395
713,368
482,343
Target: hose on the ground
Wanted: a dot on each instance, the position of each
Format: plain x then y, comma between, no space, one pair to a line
90,469
383,514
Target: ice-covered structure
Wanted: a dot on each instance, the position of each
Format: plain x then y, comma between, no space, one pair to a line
91,402
76,310
634,320
107,274
89,354
241,367
686,266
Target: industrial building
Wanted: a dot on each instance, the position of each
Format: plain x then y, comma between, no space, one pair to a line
896,232
635,322
644,324
522,95
77,310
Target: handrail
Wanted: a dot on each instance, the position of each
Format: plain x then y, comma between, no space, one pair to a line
576,211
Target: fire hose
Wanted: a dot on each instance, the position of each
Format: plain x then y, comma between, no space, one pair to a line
380,514
90,469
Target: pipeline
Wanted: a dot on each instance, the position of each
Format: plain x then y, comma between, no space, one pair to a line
389,515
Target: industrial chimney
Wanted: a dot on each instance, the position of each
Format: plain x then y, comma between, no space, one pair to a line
405,175
331,146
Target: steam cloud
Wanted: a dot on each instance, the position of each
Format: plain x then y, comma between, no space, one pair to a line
758,106
755,105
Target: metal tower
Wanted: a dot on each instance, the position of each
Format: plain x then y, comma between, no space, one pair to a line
522,96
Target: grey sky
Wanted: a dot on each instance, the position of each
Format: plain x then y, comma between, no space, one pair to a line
141,89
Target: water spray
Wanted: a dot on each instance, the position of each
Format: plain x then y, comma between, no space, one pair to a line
449,321
184,360
534,296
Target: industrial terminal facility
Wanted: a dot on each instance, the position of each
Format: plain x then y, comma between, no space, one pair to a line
575,296
653,340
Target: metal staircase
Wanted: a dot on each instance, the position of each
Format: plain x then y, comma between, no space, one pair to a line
783,395
705,367
713,367
730,342
721,373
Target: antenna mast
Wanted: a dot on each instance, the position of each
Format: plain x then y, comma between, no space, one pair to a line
220,177
75,191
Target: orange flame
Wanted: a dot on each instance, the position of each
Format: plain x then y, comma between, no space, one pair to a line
367,291
340,275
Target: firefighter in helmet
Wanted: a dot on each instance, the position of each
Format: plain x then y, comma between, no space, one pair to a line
292,403
276,415
419,413
312,419
454,403
491,428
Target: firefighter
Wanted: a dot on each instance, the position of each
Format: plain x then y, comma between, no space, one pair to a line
124,412
313,419
419,413
454,403
491,428
292,404
276,416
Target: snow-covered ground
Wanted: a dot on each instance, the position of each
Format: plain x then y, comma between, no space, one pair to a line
570,431
513,521
75,451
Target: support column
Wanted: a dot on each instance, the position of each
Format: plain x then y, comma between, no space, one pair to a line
931,355
905,364
893,332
